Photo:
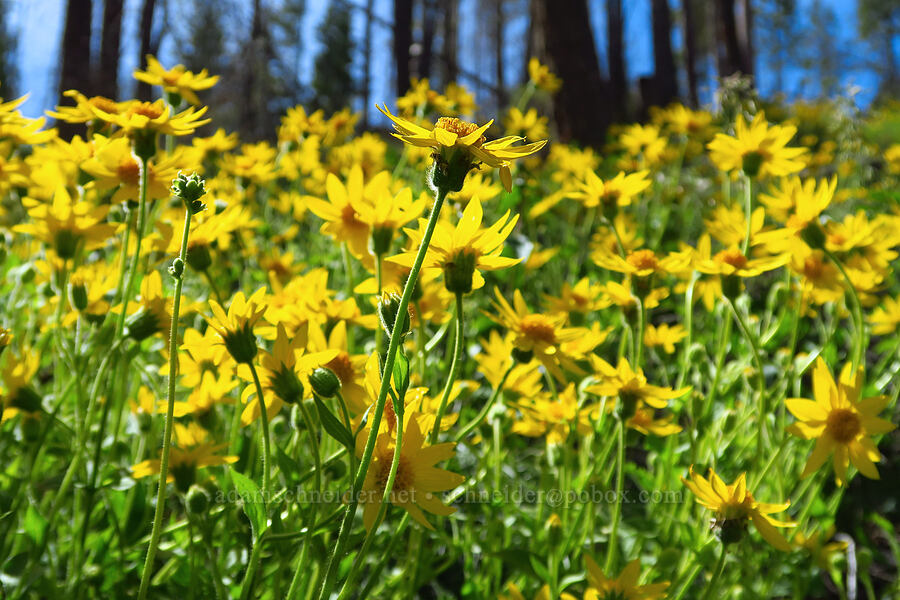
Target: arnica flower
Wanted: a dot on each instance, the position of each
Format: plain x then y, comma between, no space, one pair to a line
154,117
177,80
528,125
16,394
819,547
418,480
623,587
841,422
514,593
152,313
386,213
464,251
610,194
284,371
758,149
236,327
342,220
541,76
66,225
113,166
543,336
664,335
644,421
886,320
734,506
544,416
83,111
800,204
212,390
644,144
350,369
460,146
630,386
192,451
732,265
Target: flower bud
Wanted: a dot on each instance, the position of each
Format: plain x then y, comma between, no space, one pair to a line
78,295
198,257
324,382
190,189
65,242
197,500
388,309
142,325
177,268
380,241
144,144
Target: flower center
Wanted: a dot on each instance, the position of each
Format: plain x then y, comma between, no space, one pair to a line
813,268
342,367
403,481
146,109
643,259
104,104
843,425
538,328
129,171
458,126
733,257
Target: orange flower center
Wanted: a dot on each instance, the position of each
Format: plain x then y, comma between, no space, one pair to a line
538,328
843,425
404,480
171,78
733,257
104,104
837,239
349,217
129,171
643,259
813,268
342,367
458,126
146,109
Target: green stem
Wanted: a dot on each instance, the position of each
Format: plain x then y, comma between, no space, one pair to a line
748,213
135,258
264,434
170,393
310,528
617,507
379,330
482,414
455,366
347,522
760,379
717,574
860,342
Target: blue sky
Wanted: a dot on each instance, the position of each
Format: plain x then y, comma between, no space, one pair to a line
39,25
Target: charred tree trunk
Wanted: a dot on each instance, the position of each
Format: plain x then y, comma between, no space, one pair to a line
499,21
448,52
75,70
690,51
108,79
581,108
618,86
728,51
429,22
402,42
745,37
664,78
143,90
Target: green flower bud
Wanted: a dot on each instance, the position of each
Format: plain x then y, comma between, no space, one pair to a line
190,189
324,382
142,325
144,144
78,295
388,309
177,268
197,500
66,243
380,241
198,257
731,286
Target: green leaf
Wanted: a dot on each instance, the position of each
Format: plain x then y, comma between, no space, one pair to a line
332,426
401,378
35,525
252,501
539,569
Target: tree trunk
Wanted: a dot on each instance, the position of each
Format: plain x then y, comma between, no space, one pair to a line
143,90
690,51
75,70
728,52
665,83
108,81
499,21
618,86
402,42
429,19
581,108
449,55
745,37
367,76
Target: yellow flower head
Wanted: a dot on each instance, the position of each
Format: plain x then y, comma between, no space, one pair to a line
734,506
177,80
630,386
464,251
623,587
236,327
192,451
541,76
841,422
83,111
460,146
153,117
618,191
758,149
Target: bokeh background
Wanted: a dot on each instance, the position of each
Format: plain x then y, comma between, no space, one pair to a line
618,56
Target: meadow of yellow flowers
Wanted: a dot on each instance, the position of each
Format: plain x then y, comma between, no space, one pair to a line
460,362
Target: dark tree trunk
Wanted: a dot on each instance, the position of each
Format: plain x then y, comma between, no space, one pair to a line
367,76
402,42
729,51
581,108
75,70
108,79
664,60
499,21
429,18
449,57
143,90
690,51
618,86
745,37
